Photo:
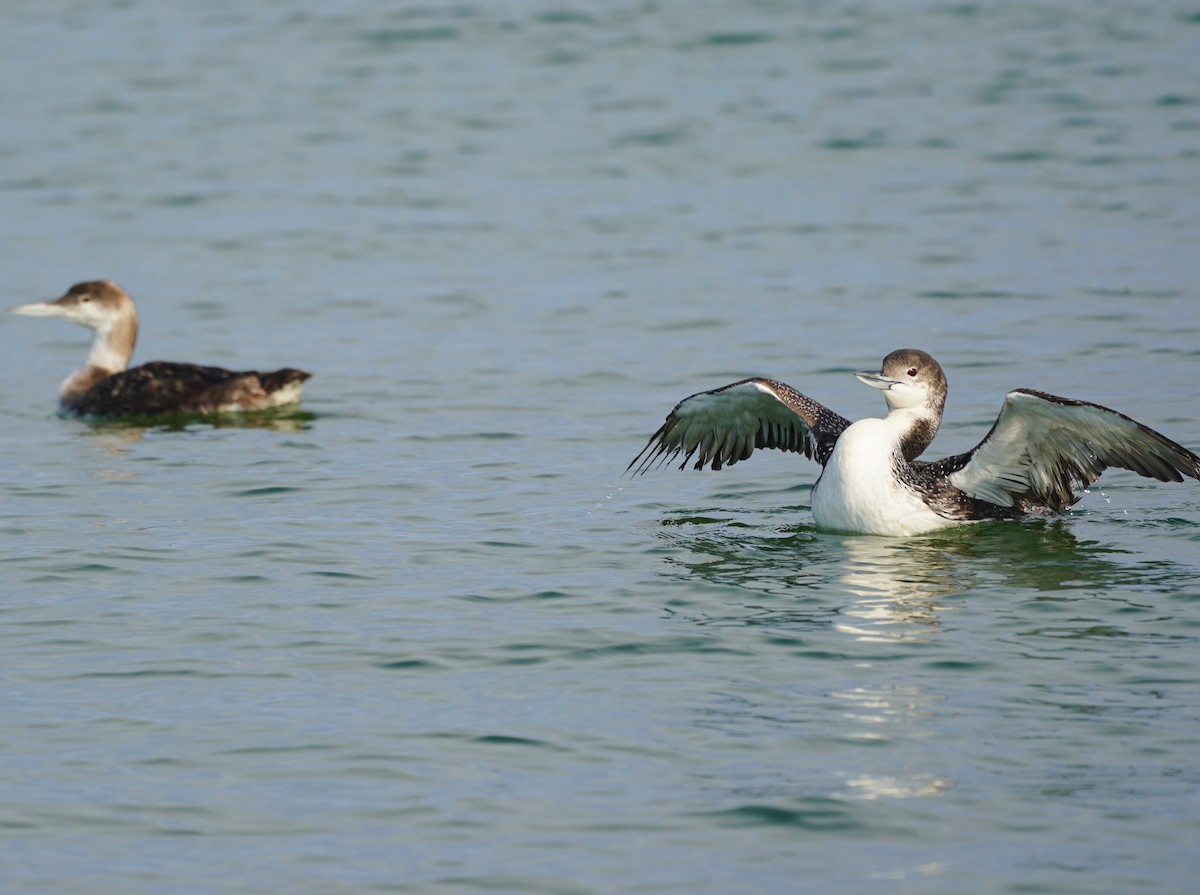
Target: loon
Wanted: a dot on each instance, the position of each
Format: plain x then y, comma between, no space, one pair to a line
104,388
1038,457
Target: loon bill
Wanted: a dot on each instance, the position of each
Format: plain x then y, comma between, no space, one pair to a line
1040,455
103,387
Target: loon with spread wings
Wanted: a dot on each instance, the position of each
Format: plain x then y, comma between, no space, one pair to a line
103,387
1040,455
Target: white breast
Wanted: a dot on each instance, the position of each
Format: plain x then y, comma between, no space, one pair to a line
859,492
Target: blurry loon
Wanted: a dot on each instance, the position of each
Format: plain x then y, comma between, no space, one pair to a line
103,387
1039,456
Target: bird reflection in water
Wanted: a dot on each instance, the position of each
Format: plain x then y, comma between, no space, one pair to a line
879,588
116,436
845,611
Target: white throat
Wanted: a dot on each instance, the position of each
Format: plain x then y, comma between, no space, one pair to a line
108,352
111,349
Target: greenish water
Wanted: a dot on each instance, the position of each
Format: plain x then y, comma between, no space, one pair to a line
425,637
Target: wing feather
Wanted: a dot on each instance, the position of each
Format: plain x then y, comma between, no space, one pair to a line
1043,451
726,425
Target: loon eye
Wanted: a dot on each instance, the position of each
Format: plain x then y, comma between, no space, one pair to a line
912,371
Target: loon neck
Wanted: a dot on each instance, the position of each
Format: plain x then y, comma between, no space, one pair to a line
110,352
914,428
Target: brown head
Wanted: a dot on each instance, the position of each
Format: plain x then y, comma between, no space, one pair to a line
102,306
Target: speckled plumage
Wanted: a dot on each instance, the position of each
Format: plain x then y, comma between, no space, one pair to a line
162,387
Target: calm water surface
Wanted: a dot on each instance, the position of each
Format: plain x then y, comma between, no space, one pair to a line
425,637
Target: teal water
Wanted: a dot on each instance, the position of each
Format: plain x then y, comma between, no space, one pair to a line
427,637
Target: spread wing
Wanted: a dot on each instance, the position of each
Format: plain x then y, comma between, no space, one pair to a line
725,425
1043,451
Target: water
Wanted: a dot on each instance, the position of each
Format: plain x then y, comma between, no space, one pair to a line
428,639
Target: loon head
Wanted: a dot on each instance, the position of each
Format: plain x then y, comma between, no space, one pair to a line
97,304
102,306
909,378
912,382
